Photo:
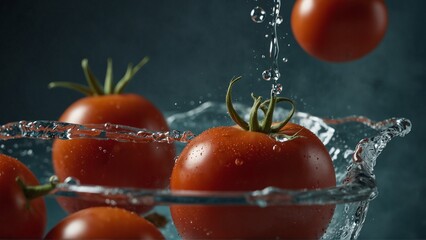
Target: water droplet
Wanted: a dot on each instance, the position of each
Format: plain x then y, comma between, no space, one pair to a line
277,88
54,179
266,35
108,126
257,14
279,137
346,208
276,74
267,74
30,152
110,202
285,60
71,181
239,162
279,20
276,148
134,201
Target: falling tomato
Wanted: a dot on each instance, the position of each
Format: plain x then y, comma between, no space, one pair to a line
339,30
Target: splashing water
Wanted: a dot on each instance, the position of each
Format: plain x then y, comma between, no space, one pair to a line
107,131
273,72
353,159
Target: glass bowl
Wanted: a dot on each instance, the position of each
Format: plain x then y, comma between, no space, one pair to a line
354,144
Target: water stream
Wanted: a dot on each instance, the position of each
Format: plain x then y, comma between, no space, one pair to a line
258,15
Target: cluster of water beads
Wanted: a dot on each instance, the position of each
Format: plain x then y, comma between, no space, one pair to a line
258,15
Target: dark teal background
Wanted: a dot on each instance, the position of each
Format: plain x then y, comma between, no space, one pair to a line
197,46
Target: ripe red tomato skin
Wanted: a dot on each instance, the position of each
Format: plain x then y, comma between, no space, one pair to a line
19,218
125,109
339,31
104,223
112,163
231,159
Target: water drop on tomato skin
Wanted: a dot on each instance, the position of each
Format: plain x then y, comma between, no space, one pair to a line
239,162
276,148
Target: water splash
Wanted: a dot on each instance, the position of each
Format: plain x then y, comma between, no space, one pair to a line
358,183
107,131
368,149
360,169
354,162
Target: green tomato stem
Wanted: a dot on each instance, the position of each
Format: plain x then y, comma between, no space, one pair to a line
130,72
267,121
73,86
108,85
267,107
93,82
254,122
231,110
94,87
32,192
124,80
276,128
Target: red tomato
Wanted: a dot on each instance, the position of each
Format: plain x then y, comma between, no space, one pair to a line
112,163
104,223
233,159
339,30
19,217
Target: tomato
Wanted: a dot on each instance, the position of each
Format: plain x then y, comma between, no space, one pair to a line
104,223
19,216
339,30
230,158
112,163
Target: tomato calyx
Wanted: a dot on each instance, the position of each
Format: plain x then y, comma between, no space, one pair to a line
266,125
32,192
94,87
